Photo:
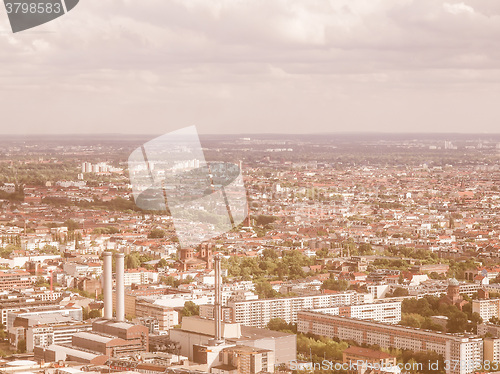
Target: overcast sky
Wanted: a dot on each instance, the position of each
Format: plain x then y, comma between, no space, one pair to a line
255,66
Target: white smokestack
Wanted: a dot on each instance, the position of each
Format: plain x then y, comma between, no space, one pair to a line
120,287
218,301
107,278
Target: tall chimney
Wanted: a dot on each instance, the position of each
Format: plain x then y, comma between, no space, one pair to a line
218,301
120,287
108,285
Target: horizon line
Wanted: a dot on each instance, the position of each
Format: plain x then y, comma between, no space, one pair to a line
253,134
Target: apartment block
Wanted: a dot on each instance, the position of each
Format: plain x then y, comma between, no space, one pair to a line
258,313
455,348
14,280
167,317
487,308
389,312
492,349
135,277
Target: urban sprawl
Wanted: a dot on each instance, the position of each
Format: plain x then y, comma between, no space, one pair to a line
359,254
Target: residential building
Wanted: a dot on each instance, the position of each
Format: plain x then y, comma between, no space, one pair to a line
258,313
167,317
14,280
492,349
453,347
486,308
387,312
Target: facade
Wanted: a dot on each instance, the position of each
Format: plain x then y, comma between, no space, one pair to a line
45,335
20,323
207,311
69,311
88,284
432,268
389,312
453,347
14,280
284,345
130,302
167,317
17,303
469,288
487,308
197,332
135,277
151,323
106,340
492,349
245,360
488,328
258,313
132,297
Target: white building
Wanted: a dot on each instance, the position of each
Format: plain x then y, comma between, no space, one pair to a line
135,277
462,352
59,333
486,308
389,312
258,313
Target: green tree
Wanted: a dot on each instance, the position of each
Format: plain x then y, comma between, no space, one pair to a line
132,261
264,290
156,234
21,346
279,324
457,322
94,313
170,281
335,285
412,320
398,292
190,309
162,263
71,225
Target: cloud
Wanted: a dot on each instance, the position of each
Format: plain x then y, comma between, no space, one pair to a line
458,8
187,61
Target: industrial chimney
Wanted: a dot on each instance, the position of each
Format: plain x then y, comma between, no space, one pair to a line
108,285
218,302
120,287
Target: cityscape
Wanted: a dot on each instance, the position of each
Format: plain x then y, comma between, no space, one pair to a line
357,254
249,187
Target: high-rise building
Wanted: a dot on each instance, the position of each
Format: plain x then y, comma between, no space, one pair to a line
486,308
